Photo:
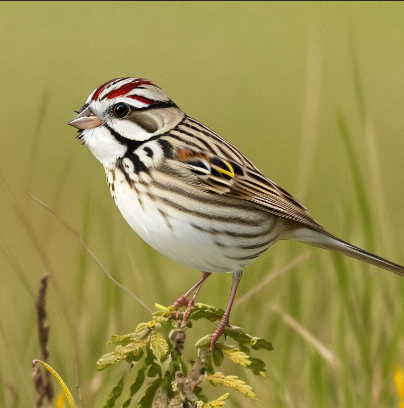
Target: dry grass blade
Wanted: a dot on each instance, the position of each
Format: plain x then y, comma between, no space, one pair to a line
17,268
378,190
37,245
272,276
23,388
27,226
327,354
42,111
76,234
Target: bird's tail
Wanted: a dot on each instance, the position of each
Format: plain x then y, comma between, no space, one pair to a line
322,240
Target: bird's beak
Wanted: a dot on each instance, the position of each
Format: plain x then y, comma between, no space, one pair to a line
86,120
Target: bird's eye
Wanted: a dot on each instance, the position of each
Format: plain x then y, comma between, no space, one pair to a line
120,110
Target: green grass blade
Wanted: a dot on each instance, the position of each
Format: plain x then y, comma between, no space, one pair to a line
358,180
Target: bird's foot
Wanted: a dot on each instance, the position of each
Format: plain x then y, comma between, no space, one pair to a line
182,301
190,306
224,322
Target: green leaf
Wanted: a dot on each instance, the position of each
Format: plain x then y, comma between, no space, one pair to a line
258,344
144,329
166,385
150,357
208,364
154,369
135,387
159,346
161,307
129,352
141,332
123,340
147,400
238,334
109,359
115,394
164,314
257,366
201,397
133,358
201,311
204,342
217,357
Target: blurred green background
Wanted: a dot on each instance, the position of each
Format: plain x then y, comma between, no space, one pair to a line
312,92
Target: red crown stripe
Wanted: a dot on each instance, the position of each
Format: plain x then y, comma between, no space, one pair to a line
140,99
104,85
124,89
99,90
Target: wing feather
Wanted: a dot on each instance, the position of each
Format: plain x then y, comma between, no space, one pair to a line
220,167
226,177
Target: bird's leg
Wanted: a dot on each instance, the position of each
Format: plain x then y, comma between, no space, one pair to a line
224,321
183,301
191,302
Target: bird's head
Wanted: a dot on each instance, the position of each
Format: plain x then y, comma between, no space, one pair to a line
123,113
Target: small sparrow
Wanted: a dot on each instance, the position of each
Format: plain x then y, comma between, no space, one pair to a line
188,192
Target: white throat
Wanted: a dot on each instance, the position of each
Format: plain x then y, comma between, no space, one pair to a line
104,146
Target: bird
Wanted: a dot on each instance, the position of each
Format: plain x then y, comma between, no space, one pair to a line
188,192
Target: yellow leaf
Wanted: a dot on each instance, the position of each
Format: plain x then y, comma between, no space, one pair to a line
399,380
60,381
161,307
235,355
217,403
232,381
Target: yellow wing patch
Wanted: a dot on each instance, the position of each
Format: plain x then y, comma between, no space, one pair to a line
229,172
208,165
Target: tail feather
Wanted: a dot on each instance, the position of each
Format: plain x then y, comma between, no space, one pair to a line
328,241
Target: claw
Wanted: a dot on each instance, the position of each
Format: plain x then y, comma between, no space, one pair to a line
190,306
182,301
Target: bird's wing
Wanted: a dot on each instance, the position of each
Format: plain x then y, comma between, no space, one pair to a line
226,177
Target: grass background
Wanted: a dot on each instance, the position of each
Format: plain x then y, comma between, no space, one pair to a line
312,92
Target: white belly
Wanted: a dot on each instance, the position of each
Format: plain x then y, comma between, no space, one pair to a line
200,243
